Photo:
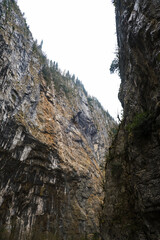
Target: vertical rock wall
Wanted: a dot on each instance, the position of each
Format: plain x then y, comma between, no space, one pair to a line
132,192
53,139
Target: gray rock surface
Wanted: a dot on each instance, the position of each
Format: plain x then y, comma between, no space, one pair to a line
132,193
53,140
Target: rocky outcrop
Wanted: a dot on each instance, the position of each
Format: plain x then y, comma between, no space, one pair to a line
53,139
132,198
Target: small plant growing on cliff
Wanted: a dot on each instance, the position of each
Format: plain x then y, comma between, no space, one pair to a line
114,67
46,74
114,2
138,121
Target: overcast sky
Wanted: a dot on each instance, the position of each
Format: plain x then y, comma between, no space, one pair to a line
80,36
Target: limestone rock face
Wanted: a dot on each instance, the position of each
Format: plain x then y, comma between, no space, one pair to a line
132,192
53,140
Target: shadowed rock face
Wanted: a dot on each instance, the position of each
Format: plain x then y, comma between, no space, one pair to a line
132,198
53,139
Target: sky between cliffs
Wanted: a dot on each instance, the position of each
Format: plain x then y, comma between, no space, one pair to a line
80,36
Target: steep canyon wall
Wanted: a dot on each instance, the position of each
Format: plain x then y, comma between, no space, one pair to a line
53,139
132,193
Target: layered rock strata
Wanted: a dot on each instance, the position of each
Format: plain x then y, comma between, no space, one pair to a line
53,139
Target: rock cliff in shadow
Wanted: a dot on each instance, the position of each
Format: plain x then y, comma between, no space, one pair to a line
53,139
132,193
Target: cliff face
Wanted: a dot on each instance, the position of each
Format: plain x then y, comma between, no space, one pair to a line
132,198
53,139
